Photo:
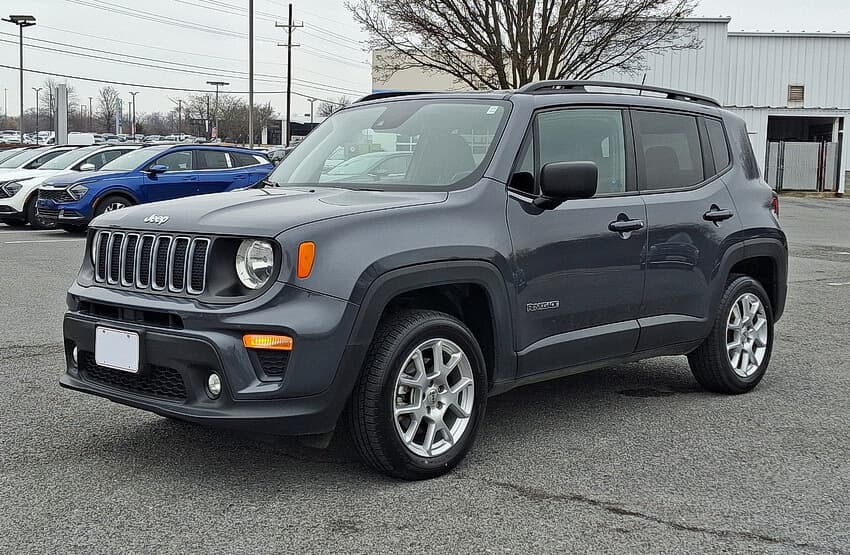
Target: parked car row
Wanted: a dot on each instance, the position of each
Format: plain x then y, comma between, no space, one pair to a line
67,186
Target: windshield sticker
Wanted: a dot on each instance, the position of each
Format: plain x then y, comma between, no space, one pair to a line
492,110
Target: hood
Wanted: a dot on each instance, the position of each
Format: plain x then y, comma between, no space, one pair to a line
70,178
261,212
20,175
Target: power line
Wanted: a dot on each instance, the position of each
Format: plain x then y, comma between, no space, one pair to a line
158,87
216,71
148,16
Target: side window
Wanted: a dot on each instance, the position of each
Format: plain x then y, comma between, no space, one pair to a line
210,160
719,146
522,179
668,150
240,160
397,165
176,161
43,159
102,158
585,135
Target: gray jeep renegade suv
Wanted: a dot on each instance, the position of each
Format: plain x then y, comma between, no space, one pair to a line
524,236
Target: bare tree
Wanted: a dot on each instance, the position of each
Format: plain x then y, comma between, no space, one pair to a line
326,108
504,44
107,105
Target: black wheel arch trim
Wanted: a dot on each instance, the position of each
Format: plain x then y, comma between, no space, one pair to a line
773,248
117,192
390,284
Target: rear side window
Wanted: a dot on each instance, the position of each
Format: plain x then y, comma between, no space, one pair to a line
241,159
668,150
210,160
719,146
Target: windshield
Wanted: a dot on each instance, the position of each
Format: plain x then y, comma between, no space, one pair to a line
445,141
23,157
131,160
63,161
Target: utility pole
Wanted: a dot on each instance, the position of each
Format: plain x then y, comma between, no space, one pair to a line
90,112
5,106
36,89
22,21
215,110
251,73
82,116
133,124
311,101
289,28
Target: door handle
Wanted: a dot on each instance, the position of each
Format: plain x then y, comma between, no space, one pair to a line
623,226
717,215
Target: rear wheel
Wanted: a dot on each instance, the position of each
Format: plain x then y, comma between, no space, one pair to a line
734,358
112,202
421,396
34,219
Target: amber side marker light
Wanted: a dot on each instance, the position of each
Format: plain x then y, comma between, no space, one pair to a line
270,342
306,256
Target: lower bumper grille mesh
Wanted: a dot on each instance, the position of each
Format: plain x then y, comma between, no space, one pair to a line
154,381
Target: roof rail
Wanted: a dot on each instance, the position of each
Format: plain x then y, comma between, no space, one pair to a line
389,94
542,87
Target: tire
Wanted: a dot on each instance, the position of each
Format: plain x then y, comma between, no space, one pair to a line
112,202
32,216
72,228
12,222
377,432
719,364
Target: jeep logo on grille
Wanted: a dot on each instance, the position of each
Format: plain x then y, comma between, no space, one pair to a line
155,219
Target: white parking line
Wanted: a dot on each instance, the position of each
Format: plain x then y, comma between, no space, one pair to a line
42,241
842,284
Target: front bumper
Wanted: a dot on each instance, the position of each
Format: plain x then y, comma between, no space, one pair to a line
176,361
62,212
7,211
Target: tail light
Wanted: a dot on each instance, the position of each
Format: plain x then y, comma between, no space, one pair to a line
774,206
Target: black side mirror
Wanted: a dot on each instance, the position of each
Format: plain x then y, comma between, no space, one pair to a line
562,181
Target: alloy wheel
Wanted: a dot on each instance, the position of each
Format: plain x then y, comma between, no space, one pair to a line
746,335
433,397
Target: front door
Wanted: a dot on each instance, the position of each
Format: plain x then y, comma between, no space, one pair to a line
579,268
179,179
681,159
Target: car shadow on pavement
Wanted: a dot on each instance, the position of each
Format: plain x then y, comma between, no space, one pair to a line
151,444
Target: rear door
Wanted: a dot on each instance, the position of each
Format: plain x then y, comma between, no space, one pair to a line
690,216
179,180
213,171
251,168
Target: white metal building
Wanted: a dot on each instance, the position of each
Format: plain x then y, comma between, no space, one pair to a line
793,90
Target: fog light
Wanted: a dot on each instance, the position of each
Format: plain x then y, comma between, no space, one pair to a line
74,356
214,385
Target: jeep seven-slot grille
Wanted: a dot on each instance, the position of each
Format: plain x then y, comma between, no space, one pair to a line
159,262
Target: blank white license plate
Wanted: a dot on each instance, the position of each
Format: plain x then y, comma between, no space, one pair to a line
117,349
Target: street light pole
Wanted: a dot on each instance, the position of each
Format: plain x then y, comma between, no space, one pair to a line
133,124
251,73
22,21
90,128
311,101
217,84
36,89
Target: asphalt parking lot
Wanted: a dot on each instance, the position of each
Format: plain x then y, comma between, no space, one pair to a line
629,459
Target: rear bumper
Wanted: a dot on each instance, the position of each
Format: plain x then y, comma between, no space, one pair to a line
176,363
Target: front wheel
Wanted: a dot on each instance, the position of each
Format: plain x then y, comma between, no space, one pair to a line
734,358
111,203
421,396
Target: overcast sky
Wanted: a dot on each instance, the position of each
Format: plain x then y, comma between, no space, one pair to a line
207,40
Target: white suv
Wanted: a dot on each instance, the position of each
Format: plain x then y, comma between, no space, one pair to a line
18,187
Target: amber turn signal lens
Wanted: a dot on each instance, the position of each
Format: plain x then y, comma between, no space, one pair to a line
306,255
271,342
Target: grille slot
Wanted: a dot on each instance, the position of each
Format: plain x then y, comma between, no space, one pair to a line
154,381
151,262
273,363
59,195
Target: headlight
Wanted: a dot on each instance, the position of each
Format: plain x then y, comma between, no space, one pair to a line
254,263
12,187
78,191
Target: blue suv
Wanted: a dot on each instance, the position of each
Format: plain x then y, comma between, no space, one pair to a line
149,174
